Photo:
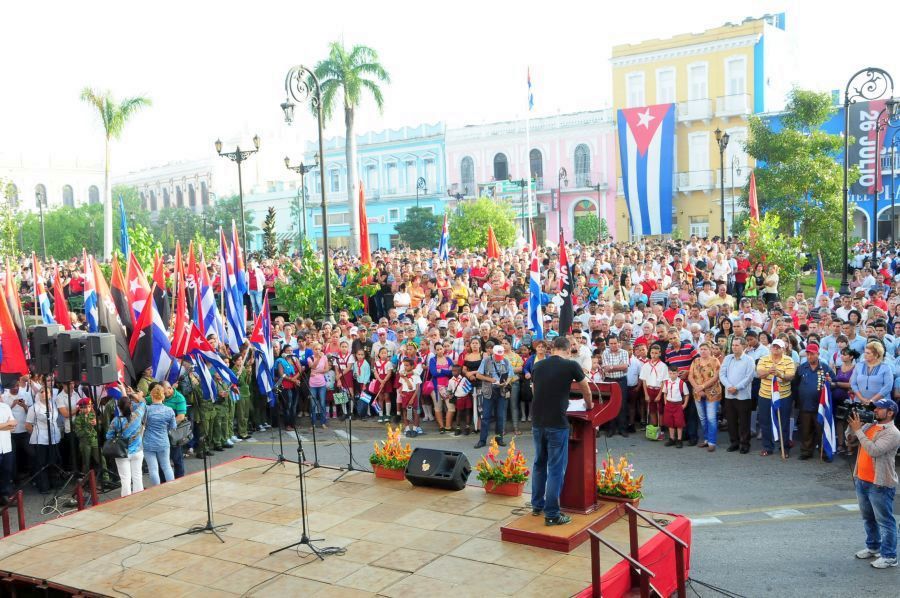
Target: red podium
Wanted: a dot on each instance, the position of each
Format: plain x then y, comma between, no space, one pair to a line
579,491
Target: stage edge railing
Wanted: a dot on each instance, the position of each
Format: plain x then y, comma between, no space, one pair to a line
17,501
680,545
644,573
91,479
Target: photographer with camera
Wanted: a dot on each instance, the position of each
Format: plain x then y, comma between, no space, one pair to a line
875,477
495,374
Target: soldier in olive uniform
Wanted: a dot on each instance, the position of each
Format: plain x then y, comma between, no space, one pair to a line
220,411
201,409
244,367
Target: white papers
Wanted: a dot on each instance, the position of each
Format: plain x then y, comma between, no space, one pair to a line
577,405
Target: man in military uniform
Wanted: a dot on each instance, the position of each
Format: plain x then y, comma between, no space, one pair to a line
220,410
143,385
201,409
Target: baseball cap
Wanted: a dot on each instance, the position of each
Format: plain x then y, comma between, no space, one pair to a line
381,331
499,350
812,348
885,403
353,330
780,343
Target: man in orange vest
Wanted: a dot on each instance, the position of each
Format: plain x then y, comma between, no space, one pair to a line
876,482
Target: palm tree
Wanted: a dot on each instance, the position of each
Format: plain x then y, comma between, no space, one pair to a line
352,73
113,117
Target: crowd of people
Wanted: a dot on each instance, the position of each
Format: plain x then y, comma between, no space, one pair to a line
696,335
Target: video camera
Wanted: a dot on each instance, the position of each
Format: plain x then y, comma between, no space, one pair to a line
866,413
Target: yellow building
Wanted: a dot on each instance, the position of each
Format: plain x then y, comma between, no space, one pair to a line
717,79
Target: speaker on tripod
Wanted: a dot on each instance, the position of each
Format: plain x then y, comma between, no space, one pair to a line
98,359
438,469
68,356
43,348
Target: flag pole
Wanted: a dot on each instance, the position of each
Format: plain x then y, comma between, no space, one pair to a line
528,156
781,436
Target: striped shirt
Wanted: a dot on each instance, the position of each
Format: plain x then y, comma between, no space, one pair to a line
619,358
681,358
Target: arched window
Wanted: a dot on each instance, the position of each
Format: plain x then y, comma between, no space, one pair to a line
204,193
166,202
467,174
501,167
93,194
153,201
143,200
582,166
192,196
12,194
40,195
179,197
536,161
68,196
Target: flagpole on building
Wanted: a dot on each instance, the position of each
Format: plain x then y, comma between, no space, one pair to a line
528,156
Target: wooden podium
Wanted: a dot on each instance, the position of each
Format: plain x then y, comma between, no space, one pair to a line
579,491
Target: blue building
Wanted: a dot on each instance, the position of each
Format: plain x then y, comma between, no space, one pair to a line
861,195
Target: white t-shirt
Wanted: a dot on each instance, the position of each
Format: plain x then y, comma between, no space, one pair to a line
18,412
654,375
37,417
675,391
61,400
5,435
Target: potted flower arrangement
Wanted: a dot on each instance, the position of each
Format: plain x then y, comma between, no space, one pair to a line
616,482
505,477
391,458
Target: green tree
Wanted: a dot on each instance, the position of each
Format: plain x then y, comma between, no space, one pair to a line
303,294
802,181
769,245
351,73
9,227
134,211
421,229
113,116
469,228
270,243
67,230
226,210
297,218
587,229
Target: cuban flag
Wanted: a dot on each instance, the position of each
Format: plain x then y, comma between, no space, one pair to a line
466,385
235,332
208,362
444,246
207,315
776,404
530,92
826,418
150,346
821,287
91,312
647,149
239,268
40,292
535,314
261,342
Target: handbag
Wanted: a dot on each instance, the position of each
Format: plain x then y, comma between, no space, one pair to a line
182,434
340,397
115,447
652,432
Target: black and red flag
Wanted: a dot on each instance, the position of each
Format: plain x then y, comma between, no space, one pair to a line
159,290
119,291
109,321
566,310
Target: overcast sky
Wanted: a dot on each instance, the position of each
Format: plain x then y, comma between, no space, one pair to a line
216,69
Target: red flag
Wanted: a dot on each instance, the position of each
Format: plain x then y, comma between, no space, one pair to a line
60,307
13,361
567,310
751,198
365,252
159,290
15,309
493,248
182,330
109,321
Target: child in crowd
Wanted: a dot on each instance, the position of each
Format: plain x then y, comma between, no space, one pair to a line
456,391
362,374
596,374
653,375
676,396
380,387
409,381
85,425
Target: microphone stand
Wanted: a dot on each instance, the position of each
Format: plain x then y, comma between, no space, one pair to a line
279,401
350,466
51,461
314,410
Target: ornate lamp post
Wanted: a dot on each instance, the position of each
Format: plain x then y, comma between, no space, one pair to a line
238,157
302,170
722,141
41,197
302,85
458,197
867,84
420,186
562,177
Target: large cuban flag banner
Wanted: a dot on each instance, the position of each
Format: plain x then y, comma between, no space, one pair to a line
647,148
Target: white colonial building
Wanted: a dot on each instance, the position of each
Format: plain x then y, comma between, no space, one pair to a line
187,184
62,182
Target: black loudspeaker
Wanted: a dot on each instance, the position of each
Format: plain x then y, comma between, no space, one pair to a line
98,359
438,469
68,356
43,348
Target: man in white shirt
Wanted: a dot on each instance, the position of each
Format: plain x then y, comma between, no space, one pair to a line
7,456
66,401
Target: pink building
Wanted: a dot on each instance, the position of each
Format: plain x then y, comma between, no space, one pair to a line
491,160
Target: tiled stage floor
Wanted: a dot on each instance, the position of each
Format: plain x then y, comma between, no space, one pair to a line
399,541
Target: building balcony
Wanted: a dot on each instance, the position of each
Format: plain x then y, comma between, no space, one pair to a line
692,110
588,180
734,105
694,180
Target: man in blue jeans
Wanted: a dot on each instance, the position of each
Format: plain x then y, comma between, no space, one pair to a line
876,482
553,377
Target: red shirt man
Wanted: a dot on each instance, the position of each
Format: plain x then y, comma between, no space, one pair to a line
743,267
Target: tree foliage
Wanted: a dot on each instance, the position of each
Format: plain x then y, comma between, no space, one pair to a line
421,229
604,229
303,295
769,245
67,230
469,228
801,182
8,225
270,243
226,210
587,229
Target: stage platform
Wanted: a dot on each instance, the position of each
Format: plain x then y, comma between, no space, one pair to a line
399,540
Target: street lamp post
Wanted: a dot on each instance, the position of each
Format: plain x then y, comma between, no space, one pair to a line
867,84
458,197
420,186
238,157
302,85
735,165
722,141
521,183
882,121
41,200
302,170
561,178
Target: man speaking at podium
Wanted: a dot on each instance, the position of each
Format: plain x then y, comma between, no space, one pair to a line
553,378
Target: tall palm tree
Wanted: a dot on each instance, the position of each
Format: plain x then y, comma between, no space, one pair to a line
351,73
113,116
